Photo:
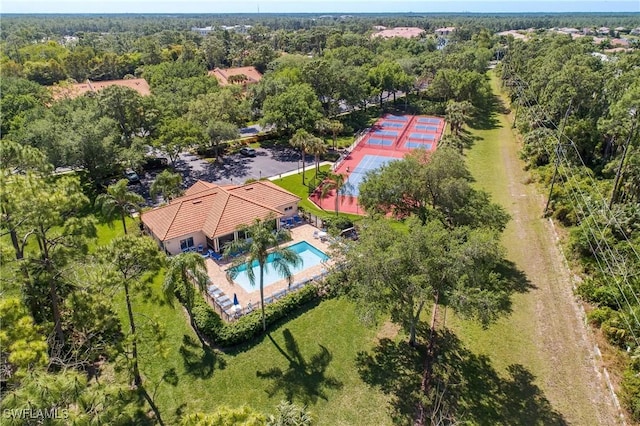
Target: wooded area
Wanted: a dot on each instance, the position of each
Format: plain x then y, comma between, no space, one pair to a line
74,284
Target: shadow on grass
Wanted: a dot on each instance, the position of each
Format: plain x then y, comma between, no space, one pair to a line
306,380
486,117
516,281
466,388
243,347
200,361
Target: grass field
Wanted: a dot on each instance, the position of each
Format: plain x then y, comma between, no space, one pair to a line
304,359
544,333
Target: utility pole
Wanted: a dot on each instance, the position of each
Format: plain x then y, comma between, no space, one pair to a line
558,148
616,182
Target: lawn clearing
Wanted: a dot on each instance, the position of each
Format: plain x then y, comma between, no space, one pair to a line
311,358
545,333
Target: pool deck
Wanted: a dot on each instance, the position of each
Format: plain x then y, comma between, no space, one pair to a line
217,272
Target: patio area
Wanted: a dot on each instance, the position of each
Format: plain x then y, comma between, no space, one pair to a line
250,300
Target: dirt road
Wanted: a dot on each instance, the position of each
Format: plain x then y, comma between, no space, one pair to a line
546,331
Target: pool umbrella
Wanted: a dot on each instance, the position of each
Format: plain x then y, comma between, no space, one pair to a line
235,299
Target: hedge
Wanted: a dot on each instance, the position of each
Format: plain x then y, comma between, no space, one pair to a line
247,326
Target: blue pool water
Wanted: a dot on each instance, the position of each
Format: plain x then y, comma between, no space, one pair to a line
310,255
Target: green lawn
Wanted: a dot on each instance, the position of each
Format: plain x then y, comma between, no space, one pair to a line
304,359
293,184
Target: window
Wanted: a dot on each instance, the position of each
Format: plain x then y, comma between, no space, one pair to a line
186,244
286,209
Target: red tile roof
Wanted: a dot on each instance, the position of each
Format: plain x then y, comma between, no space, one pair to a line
223,75
216,210
71,91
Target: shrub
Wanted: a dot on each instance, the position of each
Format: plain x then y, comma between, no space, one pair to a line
248,326
598,316
630,394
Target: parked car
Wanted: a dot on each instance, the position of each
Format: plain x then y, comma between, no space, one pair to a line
248,152
155,163
132,176
349,233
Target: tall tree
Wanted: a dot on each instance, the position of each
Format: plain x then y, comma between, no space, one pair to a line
185,273
297,107
262,243
60,231
302,141
430,185
458,114
316,147
118,200
134,261
218,132
400,273
167,184
333,182
16,160
175,136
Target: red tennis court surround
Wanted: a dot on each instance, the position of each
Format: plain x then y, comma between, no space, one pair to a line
390,138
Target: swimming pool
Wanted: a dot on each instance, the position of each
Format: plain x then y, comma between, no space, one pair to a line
310,255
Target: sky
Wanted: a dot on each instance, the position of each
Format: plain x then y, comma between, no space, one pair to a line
314,6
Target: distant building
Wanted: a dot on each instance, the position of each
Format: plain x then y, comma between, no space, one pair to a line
513,33
603,30
71,91
241,75
569,30
404,32
619,42
444,31
202,31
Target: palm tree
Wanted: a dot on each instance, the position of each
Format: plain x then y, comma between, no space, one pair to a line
183,268
457,114
119,200
263,248
336,127
167,184
333,181
316,147
300,140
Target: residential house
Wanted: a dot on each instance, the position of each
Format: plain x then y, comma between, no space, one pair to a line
241,75
403,32
207,216
445,31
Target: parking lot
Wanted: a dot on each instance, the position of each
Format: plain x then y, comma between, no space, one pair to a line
230,169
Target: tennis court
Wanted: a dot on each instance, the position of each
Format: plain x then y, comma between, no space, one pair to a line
366,164
426,127
396,117
393,124
416,145
385,133
430,120
389,139
380,141
422,136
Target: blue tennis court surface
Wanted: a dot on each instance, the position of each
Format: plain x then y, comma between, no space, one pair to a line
414,145
422,136
368,162
429,120
387,133
392,124
396,117
425,127
380,141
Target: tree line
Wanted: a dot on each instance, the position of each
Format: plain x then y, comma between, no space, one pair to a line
578,114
